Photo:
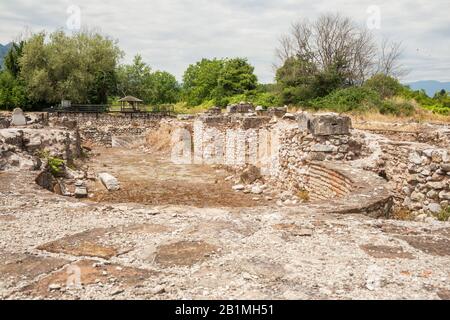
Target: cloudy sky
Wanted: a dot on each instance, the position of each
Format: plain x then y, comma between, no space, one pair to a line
171,34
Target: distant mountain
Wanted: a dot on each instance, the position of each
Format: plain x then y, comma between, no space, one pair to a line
430,86
3,51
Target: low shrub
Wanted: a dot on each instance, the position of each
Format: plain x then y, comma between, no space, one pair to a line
402,214
264,99
303,195
355,99
444,215
397,109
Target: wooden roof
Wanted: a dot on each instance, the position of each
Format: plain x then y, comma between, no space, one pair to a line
130,99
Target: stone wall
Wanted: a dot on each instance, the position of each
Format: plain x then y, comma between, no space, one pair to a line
419,175
324,183
236,142
287,156
287,152
23,148
101,128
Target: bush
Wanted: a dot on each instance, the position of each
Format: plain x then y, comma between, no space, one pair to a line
444,215
440,104
264,99
397,109
438,109
386,86
359,99
297,95
222,102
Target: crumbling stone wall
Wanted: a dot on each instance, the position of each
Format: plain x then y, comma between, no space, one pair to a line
280,149
101,128
284,149
419,176
22,148
236,142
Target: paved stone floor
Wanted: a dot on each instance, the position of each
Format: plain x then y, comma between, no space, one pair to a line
59,248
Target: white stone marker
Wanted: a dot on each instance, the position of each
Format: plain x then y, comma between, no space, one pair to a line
18,118
109,181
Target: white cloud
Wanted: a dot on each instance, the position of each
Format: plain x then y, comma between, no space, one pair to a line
171,34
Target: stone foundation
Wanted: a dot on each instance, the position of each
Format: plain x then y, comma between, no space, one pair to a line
299,153
101,128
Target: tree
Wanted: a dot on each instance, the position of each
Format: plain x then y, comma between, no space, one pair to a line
104,84
331,42
333,53
236,77
200,81
138,80
164,88
389,59
134,79
12,58
217,79
60,66
12,92
296,78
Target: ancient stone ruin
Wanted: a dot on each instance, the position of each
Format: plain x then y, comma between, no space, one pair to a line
245,202
18,118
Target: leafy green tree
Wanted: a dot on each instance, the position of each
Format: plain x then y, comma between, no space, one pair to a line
104,84
12,92
236,76
296,72
134,79
11,60
163,88
217,80
138,80
60,66
332,78
300,80
200,81
12,88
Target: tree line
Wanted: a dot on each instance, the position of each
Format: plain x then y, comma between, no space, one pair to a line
329,63
85,68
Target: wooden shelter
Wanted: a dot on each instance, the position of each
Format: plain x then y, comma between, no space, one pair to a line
130,104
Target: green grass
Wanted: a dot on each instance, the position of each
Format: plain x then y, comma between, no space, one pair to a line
183,108
444,215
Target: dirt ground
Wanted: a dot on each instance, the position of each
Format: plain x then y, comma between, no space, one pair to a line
406,131
150,178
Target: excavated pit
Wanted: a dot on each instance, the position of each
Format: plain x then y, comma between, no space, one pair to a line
152,179
141,160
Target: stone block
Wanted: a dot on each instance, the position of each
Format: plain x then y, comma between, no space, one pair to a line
110,182
330,124
303,120
214,110
277,112
4,123
18,118
241,108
